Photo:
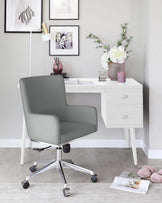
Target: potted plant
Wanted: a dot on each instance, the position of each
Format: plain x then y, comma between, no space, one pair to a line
116,54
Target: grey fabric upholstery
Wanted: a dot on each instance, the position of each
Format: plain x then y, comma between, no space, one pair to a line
48,117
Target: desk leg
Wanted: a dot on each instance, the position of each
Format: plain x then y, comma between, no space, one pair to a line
126,134
24,136
133,142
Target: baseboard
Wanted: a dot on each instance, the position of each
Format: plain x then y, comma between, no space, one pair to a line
80,143
10,143
103,143
155,154
16,143
145,148
151,154
90,143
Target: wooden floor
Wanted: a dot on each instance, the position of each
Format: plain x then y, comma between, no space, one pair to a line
106,163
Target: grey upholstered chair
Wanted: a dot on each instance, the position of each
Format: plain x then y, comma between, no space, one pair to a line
49,119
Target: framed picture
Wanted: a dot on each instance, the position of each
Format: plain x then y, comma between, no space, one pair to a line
64,9
23,16
65,40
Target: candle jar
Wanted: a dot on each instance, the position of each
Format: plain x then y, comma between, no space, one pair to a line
121,77
102,76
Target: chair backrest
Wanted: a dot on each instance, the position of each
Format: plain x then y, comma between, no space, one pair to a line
43,95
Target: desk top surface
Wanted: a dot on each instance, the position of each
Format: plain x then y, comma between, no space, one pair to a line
94,83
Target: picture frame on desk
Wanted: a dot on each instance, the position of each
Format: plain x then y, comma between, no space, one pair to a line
64,9
23,16
65,40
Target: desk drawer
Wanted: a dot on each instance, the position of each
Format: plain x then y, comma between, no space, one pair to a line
124,96
125,116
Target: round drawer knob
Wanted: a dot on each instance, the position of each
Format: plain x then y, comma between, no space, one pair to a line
124,97
125,117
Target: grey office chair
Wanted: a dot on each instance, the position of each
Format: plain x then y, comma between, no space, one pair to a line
49,119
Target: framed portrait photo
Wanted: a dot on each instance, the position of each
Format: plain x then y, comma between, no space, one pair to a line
65,40
23,16
64,9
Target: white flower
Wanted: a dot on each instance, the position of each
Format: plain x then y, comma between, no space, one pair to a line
117,54
104,60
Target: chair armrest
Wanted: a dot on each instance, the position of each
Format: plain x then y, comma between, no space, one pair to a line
43,127
86,114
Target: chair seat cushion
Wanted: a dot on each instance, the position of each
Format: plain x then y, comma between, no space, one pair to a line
73,130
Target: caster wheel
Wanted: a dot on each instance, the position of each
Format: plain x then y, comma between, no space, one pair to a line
94,178
33,168
66,192
25,184
66,148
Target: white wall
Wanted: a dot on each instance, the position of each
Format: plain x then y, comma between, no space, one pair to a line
152,78
146,72
155,73
102,18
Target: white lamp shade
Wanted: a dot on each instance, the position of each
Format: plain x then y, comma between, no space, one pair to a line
46,37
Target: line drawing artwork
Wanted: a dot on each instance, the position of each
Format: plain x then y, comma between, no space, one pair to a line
22,16
26,13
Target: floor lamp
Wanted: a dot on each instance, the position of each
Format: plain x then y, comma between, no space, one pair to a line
46,36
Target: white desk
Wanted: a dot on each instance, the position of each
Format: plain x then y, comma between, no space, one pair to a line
121,106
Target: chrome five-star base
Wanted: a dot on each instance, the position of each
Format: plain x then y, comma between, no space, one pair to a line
58,164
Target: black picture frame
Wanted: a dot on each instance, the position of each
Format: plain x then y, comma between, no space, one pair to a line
66,52
72,18
36,30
